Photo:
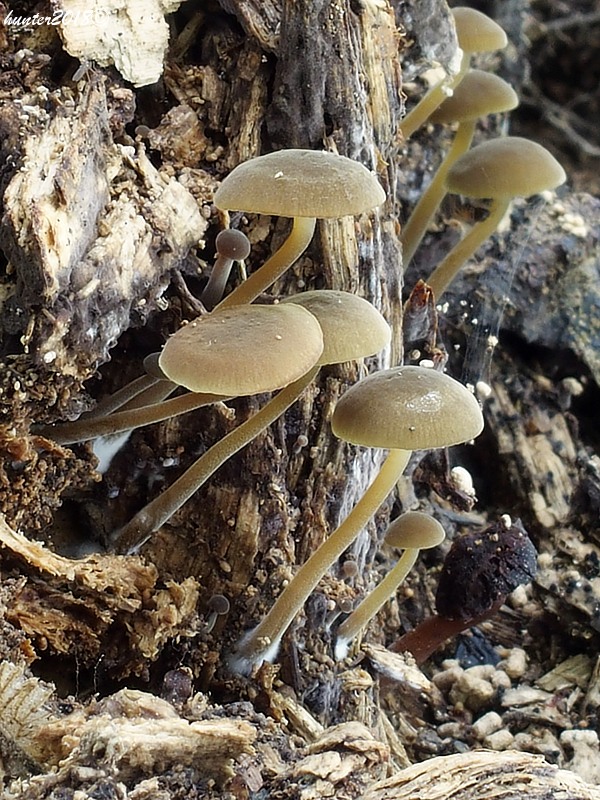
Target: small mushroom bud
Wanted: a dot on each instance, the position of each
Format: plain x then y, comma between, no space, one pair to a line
219,605
343,606
231,246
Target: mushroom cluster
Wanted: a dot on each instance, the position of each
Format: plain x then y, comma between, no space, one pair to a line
499,170
245,344
401,409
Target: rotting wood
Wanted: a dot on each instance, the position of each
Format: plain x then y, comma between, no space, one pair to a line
134,42
473,776
91,229
101,606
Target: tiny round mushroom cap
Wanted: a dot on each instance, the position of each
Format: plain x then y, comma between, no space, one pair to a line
243,350
505,167
476,32
300,183
232,244
477,95
352,327
414,529
407,408
219,604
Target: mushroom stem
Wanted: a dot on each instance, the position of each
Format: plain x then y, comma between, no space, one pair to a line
119,398
262,642
159,510
446,270
215,288
156,393
298,240
374,601
92,427
430,200
432,99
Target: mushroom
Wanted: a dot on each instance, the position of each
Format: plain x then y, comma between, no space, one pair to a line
476,33
480,570
231,245
479,94
374,337
403,409
228,353
411,532
352,327
219,606
501,170
234,351
305,185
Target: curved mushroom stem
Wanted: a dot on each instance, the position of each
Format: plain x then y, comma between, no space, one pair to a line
432,99
214,289
430,200
300,237
159,510
374,601
83,430
262,643
156,393
446,270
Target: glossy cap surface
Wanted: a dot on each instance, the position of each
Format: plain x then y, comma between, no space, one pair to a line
507,167
414,529
476,32
243,350
477,95
407,408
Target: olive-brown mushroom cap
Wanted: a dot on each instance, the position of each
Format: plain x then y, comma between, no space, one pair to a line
352,327
414,529
478,94
505,167
243,350
232,244
300,183
476,32
408,408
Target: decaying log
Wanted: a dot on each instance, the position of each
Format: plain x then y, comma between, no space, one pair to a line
135,41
